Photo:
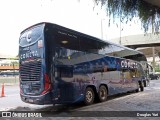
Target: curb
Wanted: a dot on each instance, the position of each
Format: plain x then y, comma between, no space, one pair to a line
10,84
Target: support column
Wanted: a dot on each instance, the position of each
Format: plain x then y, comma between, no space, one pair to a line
153,48
153,62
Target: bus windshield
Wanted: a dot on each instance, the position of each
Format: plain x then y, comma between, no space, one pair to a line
31,53
31,36
30,43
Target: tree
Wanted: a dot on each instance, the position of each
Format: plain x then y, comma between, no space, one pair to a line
148,14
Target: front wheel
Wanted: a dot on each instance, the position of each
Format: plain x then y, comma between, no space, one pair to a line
102,93
89,96
140,87
145,83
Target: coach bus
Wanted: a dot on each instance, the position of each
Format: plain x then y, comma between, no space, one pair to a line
62,66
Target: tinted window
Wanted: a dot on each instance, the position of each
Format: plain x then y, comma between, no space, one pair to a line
65,71
62,52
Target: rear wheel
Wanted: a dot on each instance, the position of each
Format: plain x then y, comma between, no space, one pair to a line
89,96
102,93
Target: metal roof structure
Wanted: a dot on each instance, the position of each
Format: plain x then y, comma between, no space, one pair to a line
154,2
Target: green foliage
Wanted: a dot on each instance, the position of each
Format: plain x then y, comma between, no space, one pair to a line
148,14
157,68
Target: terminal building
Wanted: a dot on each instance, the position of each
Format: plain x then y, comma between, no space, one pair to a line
8,63
149,44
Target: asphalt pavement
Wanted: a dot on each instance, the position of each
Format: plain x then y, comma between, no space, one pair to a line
146,101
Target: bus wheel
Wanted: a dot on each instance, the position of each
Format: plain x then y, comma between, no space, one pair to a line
102,93
89,96
138,89
141,86
145,83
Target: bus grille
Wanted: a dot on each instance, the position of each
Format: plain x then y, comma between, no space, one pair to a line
30,71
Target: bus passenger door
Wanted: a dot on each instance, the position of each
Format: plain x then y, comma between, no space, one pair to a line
129,83
64,75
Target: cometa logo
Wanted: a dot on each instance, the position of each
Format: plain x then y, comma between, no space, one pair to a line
128,64
29,36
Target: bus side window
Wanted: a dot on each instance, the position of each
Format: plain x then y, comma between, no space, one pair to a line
65,71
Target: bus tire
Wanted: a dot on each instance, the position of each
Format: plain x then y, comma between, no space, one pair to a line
138,89
145,83
141,86
102,93
89,96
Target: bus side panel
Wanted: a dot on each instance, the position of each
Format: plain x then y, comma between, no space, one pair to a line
105,70
72,79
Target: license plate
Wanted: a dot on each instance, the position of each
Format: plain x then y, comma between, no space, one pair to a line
25,86
30,100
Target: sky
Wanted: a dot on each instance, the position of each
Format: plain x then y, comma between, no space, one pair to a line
16,15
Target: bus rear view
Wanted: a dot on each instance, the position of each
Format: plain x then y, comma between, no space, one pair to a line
62,66
46,77
34,82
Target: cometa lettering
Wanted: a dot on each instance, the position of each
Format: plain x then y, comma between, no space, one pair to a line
128,64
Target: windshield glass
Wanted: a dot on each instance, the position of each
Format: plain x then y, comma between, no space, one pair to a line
31,36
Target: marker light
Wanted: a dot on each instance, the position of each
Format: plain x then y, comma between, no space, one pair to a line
64,41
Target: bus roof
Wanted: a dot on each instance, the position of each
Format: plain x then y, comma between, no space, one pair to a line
80,34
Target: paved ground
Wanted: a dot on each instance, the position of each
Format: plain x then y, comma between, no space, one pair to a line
9,80
143,104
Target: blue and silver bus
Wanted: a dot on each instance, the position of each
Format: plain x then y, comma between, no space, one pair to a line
62,66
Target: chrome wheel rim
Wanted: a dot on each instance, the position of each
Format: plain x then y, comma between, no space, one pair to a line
89,96
102,94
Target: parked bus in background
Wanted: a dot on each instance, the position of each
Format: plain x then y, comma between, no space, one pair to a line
152,74
59,66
